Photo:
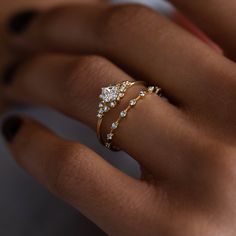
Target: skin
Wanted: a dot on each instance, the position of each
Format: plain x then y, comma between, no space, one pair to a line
186,148
6,10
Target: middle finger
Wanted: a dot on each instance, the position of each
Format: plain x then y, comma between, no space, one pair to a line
143,42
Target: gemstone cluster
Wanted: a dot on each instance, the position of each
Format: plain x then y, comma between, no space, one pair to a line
110,96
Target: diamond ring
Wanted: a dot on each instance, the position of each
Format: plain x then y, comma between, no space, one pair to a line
123,114
109,98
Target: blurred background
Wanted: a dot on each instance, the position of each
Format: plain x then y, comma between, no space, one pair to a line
26,209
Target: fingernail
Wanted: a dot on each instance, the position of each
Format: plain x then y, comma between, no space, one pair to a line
9,73
11,127
20,22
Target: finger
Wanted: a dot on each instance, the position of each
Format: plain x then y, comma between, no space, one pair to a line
188,25
161,53
78,175
72,85
215,19
7,9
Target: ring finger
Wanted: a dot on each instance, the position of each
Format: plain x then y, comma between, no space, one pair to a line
72,85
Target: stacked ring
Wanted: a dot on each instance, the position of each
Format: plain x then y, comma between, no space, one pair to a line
124,113
109,98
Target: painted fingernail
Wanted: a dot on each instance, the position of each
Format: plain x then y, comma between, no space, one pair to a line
11,127
20,22
9,73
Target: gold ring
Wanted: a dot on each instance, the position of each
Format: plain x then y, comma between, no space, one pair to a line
124,113
109,98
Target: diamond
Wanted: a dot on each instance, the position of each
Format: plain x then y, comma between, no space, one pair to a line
110,94
158,91
101,110
123,114
108,145
109,136
114,125
99,115
112,104
106,109
142,93
122,88
121,95
151,89
100,105
133,102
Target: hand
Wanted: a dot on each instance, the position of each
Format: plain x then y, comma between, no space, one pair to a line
7,8
186,148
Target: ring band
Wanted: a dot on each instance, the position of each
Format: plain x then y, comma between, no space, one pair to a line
109,98
124,113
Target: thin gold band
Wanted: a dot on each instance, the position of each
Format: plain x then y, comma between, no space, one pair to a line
124,113
100,117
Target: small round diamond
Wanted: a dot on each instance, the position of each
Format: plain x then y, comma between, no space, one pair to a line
114,125
158,91
122,88
99,115
151,89
121,95
113,104
106,109
142,93
123,114
108,145
100,105
133,102
110,136
101,110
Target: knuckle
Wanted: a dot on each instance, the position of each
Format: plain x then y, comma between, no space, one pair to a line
208,156
66,169
121,18
227,99
221,90
219,164
224,177
228,162
213,171
93,65
89,69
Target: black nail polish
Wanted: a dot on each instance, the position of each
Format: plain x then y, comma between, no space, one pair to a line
11,127
9,73
21,21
